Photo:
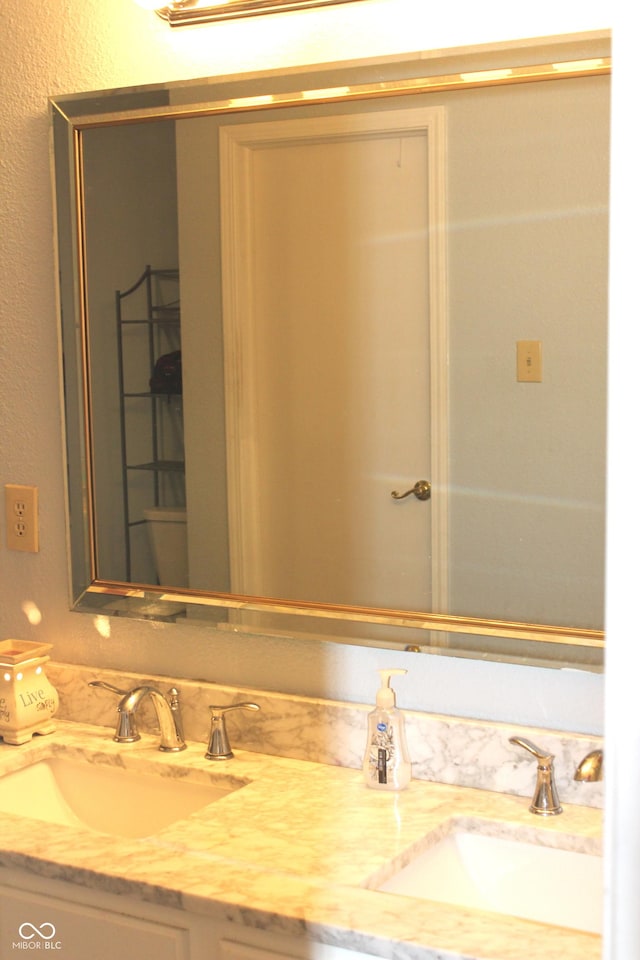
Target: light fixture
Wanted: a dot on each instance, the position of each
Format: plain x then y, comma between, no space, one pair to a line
181,13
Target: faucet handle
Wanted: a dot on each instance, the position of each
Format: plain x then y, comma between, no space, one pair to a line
539,754
219,746
108,686
173,699
545,801
126,727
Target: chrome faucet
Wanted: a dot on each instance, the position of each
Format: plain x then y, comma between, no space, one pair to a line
590,768
545,798
167,710
219,746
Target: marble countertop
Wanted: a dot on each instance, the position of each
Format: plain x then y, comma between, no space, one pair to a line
298,848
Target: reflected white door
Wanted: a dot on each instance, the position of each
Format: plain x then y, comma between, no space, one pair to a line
329,232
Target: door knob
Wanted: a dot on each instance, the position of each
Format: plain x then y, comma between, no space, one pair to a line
421,489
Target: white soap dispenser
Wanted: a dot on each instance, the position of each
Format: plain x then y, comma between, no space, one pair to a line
386,764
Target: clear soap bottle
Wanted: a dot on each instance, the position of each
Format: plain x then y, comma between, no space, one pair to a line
386,764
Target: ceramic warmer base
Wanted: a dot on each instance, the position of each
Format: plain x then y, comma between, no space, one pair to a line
24,734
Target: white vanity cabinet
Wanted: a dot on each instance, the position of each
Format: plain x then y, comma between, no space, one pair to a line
259,945
53,918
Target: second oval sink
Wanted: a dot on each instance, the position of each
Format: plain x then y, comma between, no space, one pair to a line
507,876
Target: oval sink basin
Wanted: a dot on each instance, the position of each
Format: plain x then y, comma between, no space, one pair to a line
105,798
506,876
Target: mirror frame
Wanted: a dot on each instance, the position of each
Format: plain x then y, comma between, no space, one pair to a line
72,115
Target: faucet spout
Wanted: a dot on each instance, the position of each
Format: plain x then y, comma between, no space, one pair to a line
171,738
590,768
167,709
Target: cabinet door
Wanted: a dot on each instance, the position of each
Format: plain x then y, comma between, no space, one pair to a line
76,931
283,949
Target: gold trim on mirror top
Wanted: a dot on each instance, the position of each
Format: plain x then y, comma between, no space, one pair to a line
367,91
134,599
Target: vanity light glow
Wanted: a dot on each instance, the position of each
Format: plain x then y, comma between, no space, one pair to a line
179,13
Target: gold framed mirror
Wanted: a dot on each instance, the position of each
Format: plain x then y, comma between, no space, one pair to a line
499,249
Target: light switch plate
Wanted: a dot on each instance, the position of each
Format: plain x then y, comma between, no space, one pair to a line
529,361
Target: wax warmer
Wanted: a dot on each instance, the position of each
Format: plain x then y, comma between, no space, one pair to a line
28,701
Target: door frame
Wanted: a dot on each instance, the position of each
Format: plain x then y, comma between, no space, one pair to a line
238,145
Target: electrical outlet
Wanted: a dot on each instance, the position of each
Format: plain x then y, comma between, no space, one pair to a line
21,515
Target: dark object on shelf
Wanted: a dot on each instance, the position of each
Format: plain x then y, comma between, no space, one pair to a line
167,374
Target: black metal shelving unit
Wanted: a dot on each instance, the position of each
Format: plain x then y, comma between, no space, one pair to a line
150,312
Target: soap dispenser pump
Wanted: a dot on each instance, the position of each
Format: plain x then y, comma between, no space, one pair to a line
386,764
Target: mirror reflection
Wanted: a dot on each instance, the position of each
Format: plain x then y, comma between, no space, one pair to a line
295,317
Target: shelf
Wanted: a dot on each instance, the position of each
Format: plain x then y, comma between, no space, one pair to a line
155,396
159,466
168,316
